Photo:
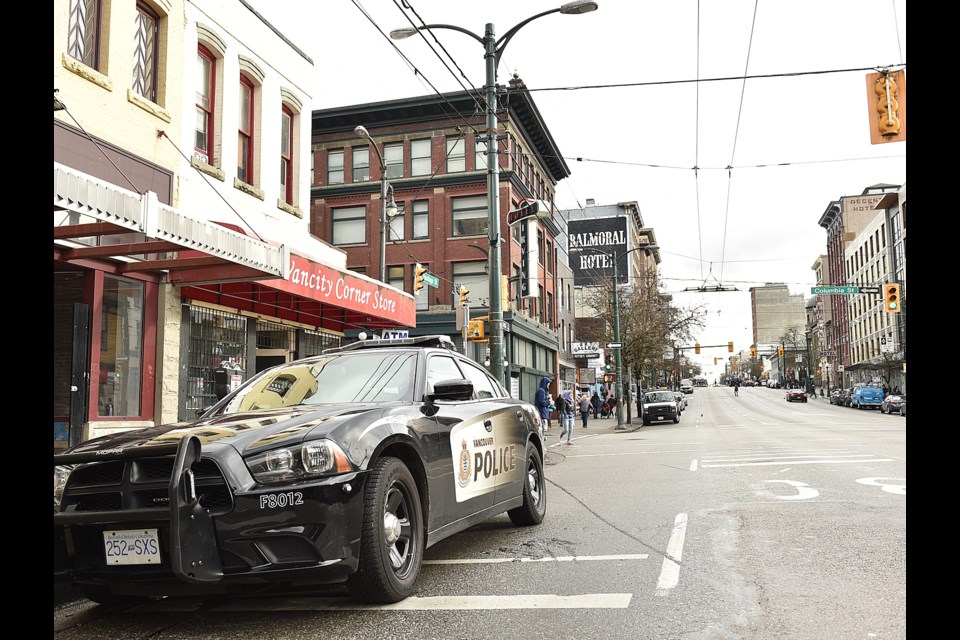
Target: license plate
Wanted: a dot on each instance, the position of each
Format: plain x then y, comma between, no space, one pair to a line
134,546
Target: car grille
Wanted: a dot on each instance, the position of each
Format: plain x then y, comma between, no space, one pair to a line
140,483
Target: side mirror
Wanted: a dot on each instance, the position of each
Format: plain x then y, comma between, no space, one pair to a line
451,390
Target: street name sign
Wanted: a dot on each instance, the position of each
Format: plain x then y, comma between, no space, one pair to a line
835,290
430,279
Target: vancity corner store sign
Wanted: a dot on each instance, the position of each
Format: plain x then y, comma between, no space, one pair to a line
329,285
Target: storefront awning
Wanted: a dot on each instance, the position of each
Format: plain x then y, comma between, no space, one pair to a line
316,294
94,220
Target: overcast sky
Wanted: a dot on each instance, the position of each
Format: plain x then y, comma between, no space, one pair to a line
731,174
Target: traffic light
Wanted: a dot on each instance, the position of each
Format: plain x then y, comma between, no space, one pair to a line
753,352
696,348
463,291
886,96
780,351
609,364
891,297
730,346
418,272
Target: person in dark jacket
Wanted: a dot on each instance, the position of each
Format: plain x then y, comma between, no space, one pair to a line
595,401
542,400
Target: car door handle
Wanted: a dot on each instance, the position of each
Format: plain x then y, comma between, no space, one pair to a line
488,425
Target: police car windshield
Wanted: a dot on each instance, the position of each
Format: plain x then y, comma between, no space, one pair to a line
334,379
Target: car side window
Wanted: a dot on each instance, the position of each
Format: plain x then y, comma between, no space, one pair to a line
441,368
482,385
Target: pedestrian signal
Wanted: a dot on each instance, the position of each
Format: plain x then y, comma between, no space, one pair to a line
780,351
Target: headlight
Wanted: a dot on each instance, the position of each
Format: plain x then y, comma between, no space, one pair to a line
60,476
312,460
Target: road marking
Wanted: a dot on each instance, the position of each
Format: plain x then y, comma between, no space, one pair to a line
742,457
670,571
767,464
628,556
693,465
414,603
804,492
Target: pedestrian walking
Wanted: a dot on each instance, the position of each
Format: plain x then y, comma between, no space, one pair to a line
563,413
542,401
585,407
595,401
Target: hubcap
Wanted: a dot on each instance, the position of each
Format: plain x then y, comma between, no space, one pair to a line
391,528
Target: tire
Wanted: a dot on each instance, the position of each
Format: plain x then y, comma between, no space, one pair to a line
677,419
534,506
391,535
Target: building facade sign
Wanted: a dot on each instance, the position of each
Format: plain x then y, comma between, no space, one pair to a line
326,284
593,245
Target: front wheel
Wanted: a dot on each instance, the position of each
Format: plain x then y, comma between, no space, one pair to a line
534,506
391,536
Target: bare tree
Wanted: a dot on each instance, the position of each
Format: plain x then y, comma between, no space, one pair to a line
649,321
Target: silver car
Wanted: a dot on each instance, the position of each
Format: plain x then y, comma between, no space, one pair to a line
681,400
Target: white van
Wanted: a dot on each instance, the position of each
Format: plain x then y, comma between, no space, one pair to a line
686,386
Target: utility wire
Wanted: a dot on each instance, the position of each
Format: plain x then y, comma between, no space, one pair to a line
659,83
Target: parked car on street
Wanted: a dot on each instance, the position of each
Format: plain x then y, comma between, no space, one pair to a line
686,386
891,404
845,400
681,400
338,468
660,406
866,397
796,394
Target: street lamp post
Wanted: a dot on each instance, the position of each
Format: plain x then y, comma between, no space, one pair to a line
493,50
618,358
387,211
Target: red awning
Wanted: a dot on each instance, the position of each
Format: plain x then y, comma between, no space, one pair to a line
316,294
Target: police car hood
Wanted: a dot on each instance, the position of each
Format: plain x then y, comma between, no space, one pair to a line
246,431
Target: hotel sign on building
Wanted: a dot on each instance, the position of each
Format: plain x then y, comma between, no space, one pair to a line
592,245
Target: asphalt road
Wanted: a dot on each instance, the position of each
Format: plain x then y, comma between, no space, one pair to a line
753,519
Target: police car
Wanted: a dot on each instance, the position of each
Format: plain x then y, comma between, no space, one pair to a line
338,468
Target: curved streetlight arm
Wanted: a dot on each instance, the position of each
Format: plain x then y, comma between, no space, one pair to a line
400,34
505,38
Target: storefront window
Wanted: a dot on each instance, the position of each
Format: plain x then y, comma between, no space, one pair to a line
121,348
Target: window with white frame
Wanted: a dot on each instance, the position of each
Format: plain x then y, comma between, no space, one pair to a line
473,276
480,157
393,159
469,215
83,32
207,77
421,219
395,228
361,164
287,175
335,167
420,164
146,52
245,140
349,225
456,161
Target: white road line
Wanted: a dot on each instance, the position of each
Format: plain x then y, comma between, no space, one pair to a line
693,465
670,571
767,464
629,556
785,456
414,603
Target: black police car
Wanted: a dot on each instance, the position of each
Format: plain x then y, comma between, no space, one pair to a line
342,467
